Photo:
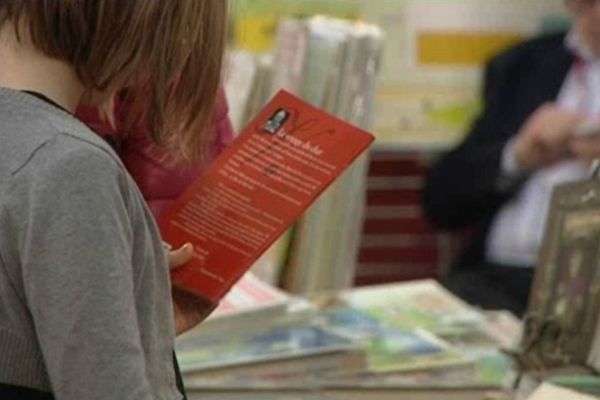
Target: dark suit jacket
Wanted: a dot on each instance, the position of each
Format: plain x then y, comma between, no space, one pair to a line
462,189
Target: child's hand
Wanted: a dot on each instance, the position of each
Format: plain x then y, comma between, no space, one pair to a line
189,309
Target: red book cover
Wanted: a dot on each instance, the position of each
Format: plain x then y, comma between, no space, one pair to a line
256,189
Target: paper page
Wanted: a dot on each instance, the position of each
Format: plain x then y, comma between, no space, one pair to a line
551,392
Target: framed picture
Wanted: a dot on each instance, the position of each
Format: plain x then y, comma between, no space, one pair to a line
565,301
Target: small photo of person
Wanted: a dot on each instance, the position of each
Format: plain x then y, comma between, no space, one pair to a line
276,121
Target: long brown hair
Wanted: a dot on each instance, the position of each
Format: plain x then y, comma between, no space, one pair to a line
169,51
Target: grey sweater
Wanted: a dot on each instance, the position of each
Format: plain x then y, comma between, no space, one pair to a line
85,309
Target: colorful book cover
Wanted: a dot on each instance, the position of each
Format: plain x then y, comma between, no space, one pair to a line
197,354
420,304
390,349
288,155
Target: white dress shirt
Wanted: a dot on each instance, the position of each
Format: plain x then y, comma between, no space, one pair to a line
517,230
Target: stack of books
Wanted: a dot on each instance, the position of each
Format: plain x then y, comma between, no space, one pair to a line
334,65
340,73
251,302
409,340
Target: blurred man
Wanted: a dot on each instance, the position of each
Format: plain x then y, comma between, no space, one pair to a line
499,180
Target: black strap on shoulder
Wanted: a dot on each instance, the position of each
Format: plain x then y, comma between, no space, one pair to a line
22,393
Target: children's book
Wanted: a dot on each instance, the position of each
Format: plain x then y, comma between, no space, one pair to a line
200,354
421,304
286,157
390,349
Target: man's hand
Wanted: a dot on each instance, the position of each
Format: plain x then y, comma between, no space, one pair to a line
189,309
586,149
546,137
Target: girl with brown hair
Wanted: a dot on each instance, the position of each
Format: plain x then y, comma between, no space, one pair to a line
85,296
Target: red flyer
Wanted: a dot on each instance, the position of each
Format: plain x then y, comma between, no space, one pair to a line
257,189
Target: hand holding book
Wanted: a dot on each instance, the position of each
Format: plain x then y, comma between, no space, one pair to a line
189,310
286,157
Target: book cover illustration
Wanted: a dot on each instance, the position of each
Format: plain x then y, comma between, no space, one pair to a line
421,304
390,349
273,344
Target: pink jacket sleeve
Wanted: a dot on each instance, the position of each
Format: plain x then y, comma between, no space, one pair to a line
159,178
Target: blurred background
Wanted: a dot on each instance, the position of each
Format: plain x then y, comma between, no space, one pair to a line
425,92
348,303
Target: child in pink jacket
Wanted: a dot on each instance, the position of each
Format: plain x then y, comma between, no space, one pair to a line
159,176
